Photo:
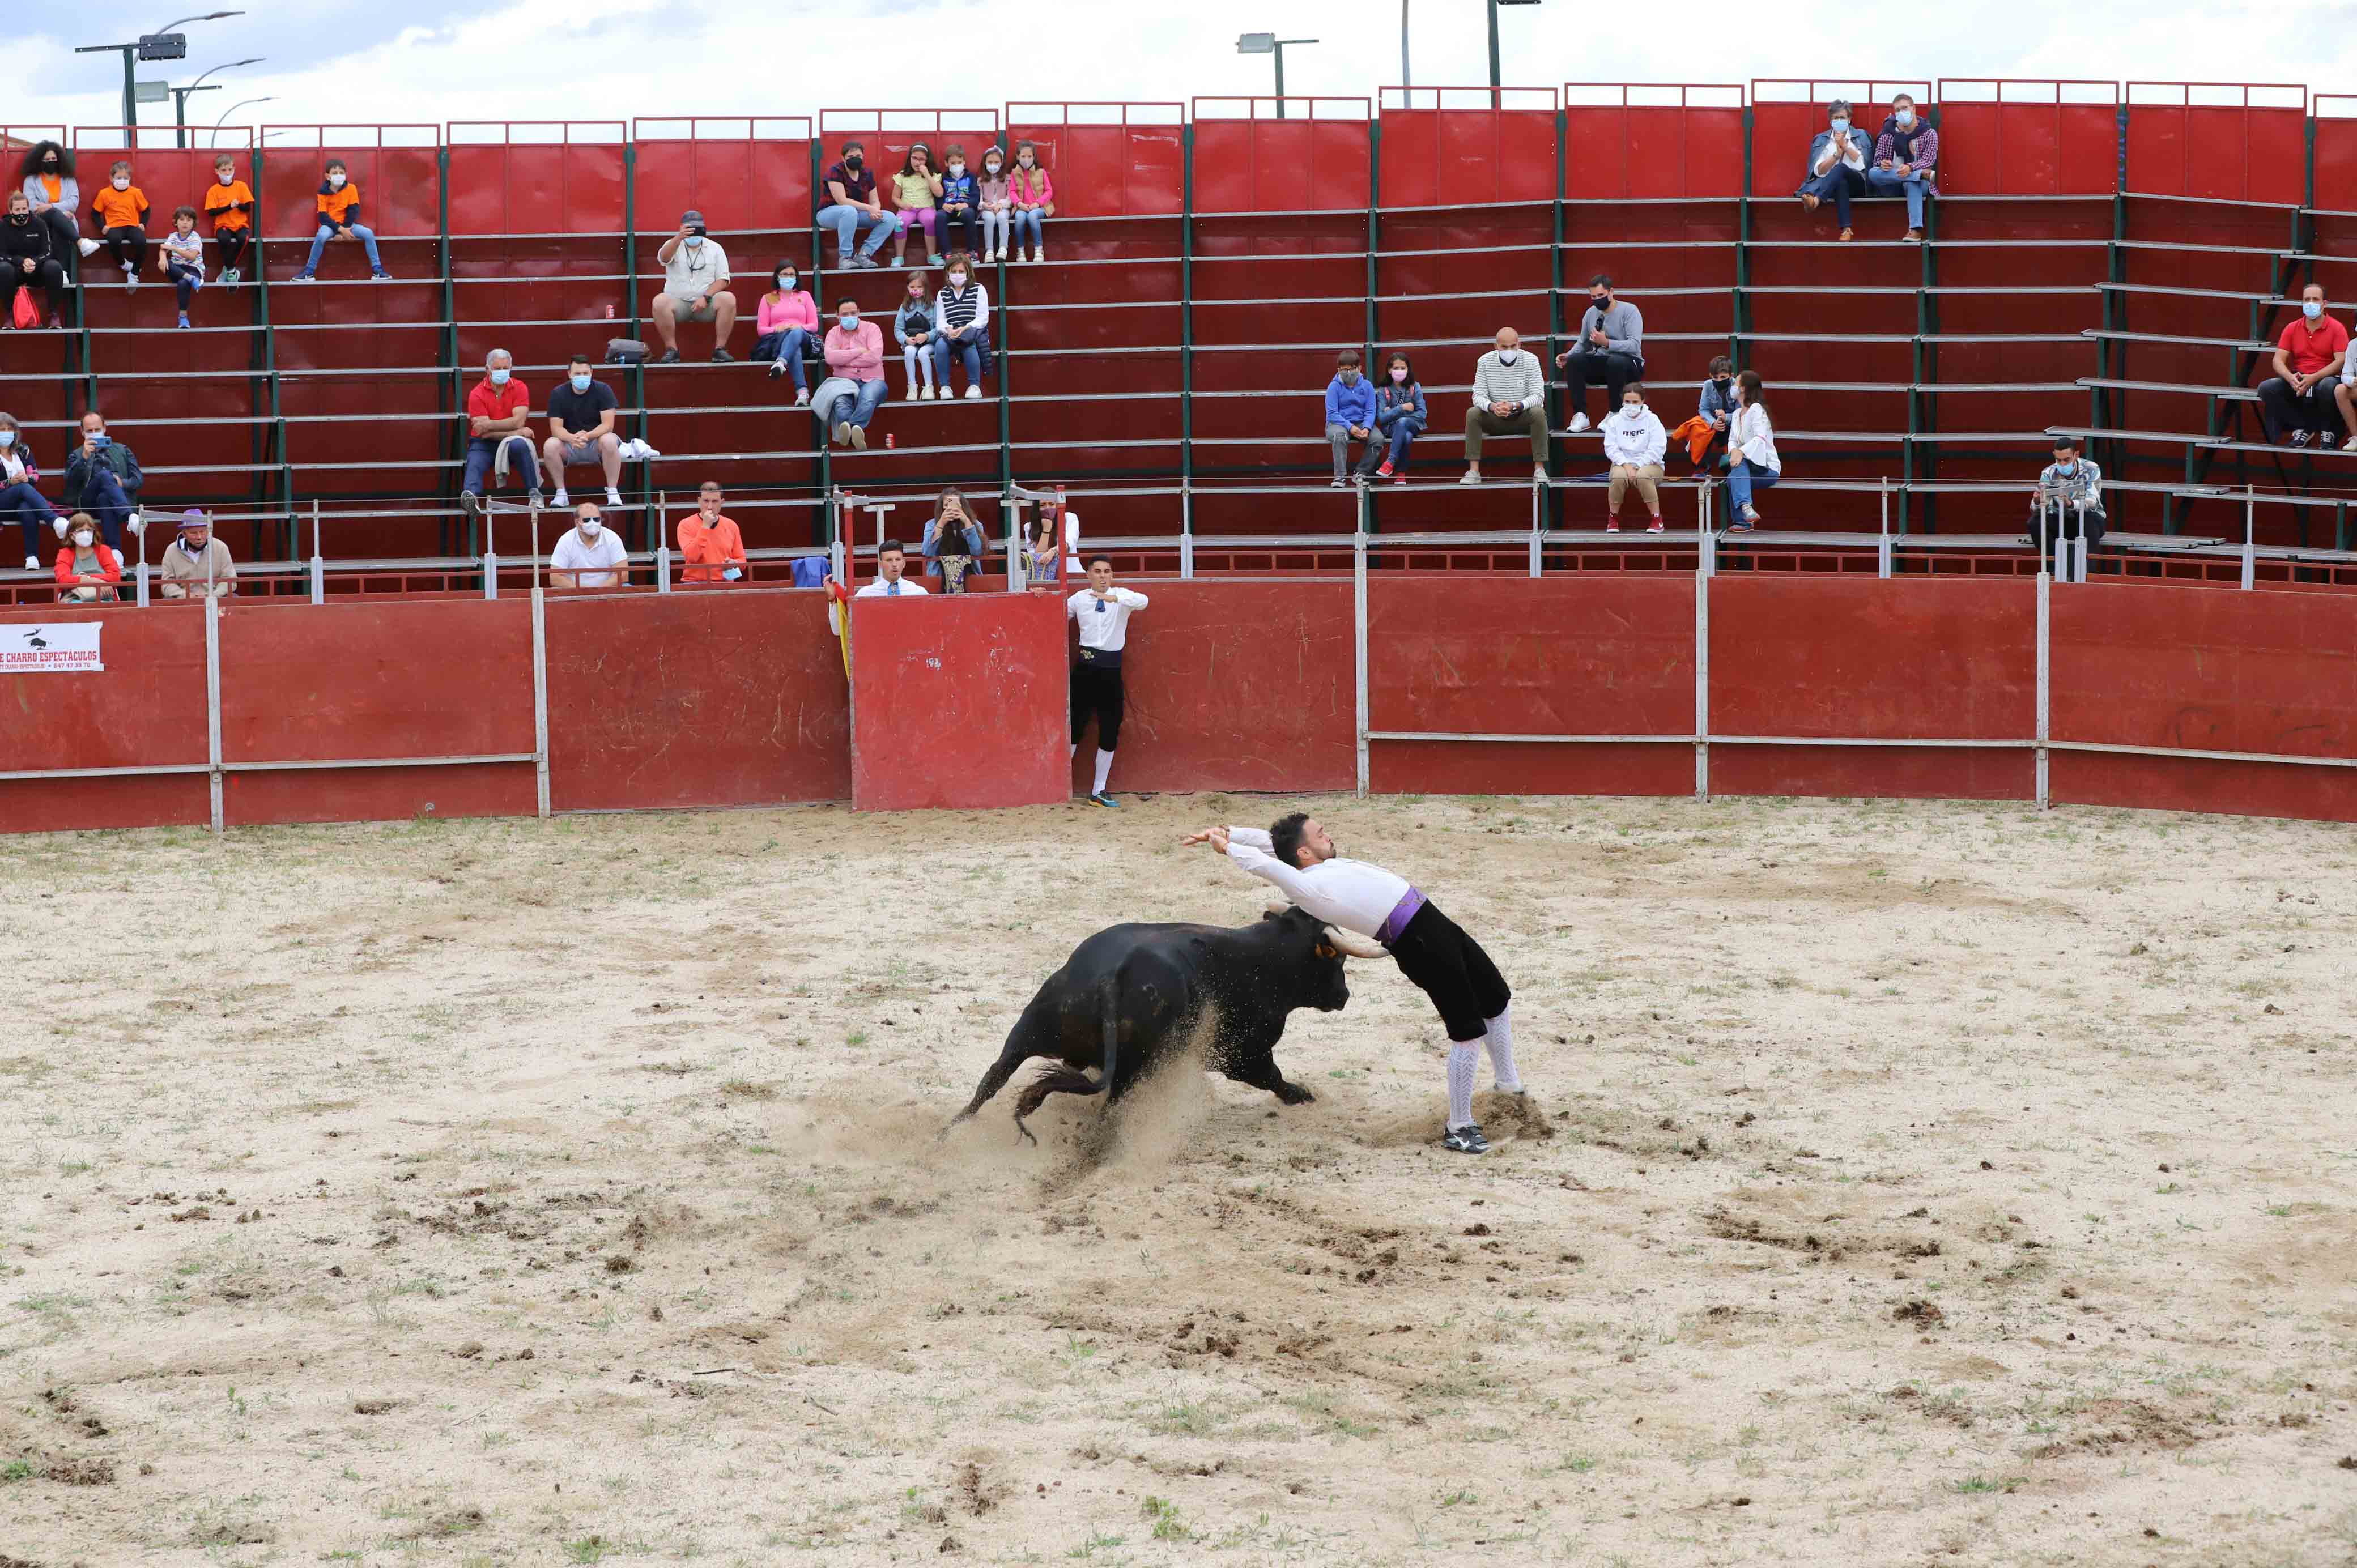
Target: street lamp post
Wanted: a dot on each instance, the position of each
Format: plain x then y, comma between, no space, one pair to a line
1493,45
180,98
213,140
161,43
1270,44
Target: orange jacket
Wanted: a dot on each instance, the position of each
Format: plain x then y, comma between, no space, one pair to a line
707,550
1697,434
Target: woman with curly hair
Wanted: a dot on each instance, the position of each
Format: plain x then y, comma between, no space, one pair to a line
50,186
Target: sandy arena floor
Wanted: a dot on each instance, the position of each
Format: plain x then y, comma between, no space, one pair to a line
1911,1184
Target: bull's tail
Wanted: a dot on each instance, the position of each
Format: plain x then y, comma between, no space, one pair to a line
1058,1079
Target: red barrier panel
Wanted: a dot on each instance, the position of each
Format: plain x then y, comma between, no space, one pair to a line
1459,150
958,701
168,177
2227,149
1562,655
397,168
513,178
1872,659
2008,137
1252,162
145,709
1132,166
1786,116
734,698
744,176
2336,150
1650,141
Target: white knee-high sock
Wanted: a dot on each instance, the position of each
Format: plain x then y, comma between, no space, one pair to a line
1502,1053
1075,750
1464,1060
1104,768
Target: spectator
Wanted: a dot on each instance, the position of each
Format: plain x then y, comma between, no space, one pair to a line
953,540
1752,461
102,478
1838,163
916,193
230,200
2344,396
180,257
121,209
891,563
56,199
711,547
855,387
338,203
2310,355
18,476
1904,155
1057,527
1612,349
2068,484
1400,418
197,561
88,571
1715,408
961,213
912,328
1634,443
24,260
1508,398
499,410
695,288
581,416
1350,413
995,197
588,556
787,320
1034,196
962,325
851,206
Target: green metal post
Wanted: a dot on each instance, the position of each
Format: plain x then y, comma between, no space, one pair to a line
826,446
650,530
270,349
1186,318
1367,511
455,435
1555,324
1741,345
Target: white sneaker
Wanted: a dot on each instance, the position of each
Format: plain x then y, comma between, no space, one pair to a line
1472,477
60,524
802,397
1578,422
2350,444
2302,438
87,247
32,562
1752,515
1335,483
989,257
920,395
1038,253
137,524
613,495
130,275
975,391
1538,473
562,500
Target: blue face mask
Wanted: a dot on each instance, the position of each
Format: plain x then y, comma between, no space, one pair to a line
1839,124
500,378
2311,308
7,439
580,383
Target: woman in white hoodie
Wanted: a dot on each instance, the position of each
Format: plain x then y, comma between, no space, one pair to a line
1752,461
1634,443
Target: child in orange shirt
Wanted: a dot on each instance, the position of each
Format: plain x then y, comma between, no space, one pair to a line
231,202
121,208
339,213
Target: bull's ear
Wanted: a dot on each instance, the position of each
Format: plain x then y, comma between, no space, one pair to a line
1328,950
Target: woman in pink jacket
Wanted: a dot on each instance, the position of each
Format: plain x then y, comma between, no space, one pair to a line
854,385
1034,195
787,321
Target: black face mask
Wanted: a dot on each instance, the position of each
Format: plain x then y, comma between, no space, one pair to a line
853,162
1603,305
1722,382
50,165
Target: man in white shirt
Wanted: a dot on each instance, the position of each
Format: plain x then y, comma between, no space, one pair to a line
1103,612
695,288
1449,967
890,561
588,555
1509,399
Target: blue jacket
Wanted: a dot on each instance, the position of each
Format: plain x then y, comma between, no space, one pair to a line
1817,150
1713,401
1393,403
965,541
958,188
1351,405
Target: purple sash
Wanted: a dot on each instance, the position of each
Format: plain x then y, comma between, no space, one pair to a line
1395,923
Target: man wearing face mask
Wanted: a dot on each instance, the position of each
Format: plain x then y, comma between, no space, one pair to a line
854,385
2071,487
588,556
849,204
1904,155
1838,163
711,547
196,563
695,288
2308,356
103,478
1509,399
581,416
1611,349
496,415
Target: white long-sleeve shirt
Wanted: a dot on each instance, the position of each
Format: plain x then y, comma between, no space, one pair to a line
1639,439
1749,435
1351,894
1104,623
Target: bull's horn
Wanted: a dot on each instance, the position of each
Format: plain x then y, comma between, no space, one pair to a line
1278,905
1351,944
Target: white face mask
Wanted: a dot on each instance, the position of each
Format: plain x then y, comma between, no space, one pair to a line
992,169
957,280
83,538
1505,356
590,527
1025,160
335,182
122,182
1906,117
956,168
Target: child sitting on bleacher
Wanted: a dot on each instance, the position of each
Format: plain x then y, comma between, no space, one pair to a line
1034,195
914,328
231,201
339,215
998,205
182,258
121,208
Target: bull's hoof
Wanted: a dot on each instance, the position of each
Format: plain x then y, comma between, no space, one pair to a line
1294,1094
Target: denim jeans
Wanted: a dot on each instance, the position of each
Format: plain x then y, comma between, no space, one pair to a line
995,227
1403,430
787,346
360,232
919,360
1743,478
1027,221
31,509
103,497
857,408
1883,182
968,350
1837,185
846,220
960,229
482,452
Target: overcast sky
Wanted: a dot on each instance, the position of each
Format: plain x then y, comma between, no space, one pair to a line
343,61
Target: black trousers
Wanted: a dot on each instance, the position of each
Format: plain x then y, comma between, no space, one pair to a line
1615,370
2066,526
1097,694
232,243
2286,410
45,275
1450,967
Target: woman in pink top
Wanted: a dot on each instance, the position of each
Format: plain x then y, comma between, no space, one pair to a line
1034,195
854,385
787,321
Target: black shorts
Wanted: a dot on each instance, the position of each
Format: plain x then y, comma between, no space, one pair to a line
1097,692
1451,969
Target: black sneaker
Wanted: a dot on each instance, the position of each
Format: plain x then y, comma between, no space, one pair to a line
469,502
1465,1140
723,357
668,357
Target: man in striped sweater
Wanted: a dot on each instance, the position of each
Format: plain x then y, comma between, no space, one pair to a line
1509,399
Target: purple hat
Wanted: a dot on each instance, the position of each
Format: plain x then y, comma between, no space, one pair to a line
193,518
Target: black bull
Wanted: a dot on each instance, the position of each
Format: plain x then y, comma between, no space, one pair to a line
1131,995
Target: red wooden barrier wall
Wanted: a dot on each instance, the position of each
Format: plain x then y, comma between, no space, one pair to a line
1448,148
519,177
146,709
1260,164
2180,144
1133,167
397,168
958,701
2011,137
746,177
1681,140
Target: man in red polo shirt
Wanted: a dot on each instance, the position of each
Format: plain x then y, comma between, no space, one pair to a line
495,411
2298,396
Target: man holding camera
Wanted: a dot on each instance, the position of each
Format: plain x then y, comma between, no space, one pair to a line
695,288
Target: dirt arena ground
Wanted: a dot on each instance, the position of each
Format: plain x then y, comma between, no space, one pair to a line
1909,1183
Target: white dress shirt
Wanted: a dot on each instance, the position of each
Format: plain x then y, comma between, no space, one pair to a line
880,590
1351,894
1104,623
